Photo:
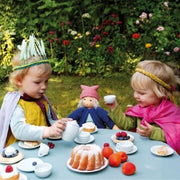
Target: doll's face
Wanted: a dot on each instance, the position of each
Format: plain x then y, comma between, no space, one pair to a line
88,102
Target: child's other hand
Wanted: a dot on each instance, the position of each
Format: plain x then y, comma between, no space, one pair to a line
145,130
112,106
56,129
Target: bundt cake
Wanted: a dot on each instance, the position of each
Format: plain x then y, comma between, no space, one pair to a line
87,157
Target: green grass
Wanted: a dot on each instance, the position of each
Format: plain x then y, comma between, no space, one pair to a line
64,91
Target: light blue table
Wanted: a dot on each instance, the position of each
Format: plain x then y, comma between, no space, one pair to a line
149,166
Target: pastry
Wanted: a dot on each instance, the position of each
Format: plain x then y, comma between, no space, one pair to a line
162,150
89,127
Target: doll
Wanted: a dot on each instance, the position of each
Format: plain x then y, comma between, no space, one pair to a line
89,109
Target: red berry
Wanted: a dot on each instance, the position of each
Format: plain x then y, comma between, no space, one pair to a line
124,134
106,144
51,145
118,134
9,169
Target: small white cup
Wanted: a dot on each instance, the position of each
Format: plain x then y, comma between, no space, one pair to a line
126,146
43,170
109,99
43,150
71,131
84,137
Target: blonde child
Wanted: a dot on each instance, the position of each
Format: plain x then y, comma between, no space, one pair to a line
155,116
27,114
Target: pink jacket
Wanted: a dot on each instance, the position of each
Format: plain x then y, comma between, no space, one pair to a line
166,115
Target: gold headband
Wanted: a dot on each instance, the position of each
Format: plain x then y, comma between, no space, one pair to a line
155,78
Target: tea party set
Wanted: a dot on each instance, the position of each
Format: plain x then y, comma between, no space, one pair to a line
13,159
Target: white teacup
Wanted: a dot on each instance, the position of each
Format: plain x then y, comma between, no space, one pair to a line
71,131
126,146
43,150
83,136
109,99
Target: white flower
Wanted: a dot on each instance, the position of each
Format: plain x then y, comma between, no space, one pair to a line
137,21
86,15
143,16
88,33
160,28
73,33
167,53
150,15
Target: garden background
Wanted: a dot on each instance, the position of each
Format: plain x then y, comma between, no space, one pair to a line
91,42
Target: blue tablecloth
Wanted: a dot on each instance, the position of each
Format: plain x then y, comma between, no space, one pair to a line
148,165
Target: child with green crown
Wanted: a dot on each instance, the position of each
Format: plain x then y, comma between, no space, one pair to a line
27,114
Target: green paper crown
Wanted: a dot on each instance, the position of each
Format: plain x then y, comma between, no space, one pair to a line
33,48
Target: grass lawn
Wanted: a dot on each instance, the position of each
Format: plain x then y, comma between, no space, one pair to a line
64,91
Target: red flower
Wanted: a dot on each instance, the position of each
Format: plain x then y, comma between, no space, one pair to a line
113,23
179,35
135,35
96,38
51,33
110,49
113,15
66,42
105,33
119,22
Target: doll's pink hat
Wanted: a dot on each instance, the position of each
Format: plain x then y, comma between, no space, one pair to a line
89,91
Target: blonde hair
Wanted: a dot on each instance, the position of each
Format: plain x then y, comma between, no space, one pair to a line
15,76
161,71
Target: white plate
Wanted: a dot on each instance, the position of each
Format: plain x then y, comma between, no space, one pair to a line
90,132
170,150
55,138
27,164
131,152
90,140
131,136
84,171
22,145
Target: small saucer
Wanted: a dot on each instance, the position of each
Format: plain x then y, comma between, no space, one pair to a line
90,140
131,152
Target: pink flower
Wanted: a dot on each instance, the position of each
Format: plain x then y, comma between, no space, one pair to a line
160,28
135,35
167,53
68,22
56,39
51,33
92,44
176,49
166,4
113,23
50,40
113,15
62,24
143,16
150,15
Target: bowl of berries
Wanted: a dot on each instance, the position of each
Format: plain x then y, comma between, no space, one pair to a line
122,136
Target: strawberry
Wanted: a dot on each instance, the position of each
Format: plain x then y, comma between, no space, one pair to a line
106,144
51,145
124,134
118,134
9,169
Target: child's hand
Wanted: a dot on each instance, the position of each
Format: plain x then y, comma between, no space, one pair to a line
145,130
56,129
112,106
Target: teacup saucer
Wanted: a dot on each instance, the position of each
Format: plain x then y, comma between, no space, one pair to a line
134,149
91,139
